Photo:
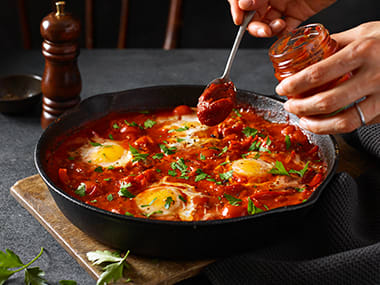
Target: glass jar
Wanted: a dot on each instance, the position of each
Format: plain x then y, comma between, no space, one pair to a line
301,48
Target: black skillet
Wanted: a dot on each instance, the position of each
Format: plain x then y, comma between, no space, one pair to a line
170,239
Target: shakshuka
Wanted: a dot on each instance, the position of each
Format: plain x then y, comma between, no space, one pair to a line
166,165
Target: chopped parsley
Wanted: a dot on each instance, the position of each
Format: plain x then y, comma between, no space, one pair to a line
237,112
181,166
225,176
123,192
158,156
169,200
137,156
201,175
115,126
302,171
98,169
172,172
185,128
232,200
150,204
110,136
252,209
224,163
107,179
279,169
129,214
181,198
167,150
300,189
268,143
180,140
110,167
158,170
153,213
70,158
110,197
133,124
202,156
95,144
224,150
149,123
214,148
81,190
249,132
254,146
287,142
94,201
213,180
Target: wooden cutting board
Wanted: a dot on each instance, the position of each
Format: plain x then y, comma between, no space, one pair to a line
33,195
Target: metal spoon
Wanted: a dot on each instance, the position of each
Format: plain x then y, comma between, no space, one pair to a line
226,75
218,98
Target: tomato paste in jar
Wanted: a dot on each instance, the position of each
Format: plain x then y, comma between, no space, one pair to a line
301,48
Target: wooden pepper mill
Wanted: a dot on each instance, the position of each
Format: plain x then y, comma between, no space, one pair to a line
61,81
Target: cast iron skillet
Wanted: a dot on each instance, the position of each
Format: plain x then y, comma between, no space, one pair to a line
171,239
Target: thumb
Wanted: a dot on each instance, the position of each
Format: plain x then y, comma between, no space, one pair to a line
250,5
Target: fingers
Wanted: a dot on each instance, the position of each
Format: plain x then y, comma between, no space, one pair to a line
331,100
250,5
322,72
236,12
346,121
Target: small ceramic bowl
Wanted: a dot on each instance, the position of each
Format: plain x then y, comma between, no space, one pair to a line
19,93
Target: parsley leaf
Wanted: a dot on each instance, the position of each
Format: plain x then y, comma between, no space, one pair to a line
202,157
201,175
111,272
129,214
181,166
232,200
302,171
237,112
185,128
153,213
249,132
226,175
110,197
95,144
167,150
133,124
150,204
115,126
137,156
33,276
300,189
287,142
224,150
98,169
180,140
110,136
10,260
81,190
169,200
254,146
158,156
252,209
172,172
279,169
123,192
149,123
182,199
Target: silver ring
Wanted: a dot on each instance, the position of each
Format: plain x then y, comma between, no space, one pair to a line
361,115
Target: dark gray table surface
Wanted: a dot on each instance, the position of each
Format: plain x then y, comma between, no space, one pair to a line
102,71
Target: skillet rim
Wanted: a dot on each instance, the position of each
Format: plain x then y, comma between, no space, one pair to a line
51,186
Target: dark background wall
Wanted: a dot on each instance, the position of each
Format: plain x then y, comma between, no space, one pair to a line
206,23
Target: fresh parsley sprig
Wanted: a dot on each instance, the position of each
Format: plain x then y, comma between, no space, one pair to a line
302,171
252,209
137,156
115,264
279,169
232,200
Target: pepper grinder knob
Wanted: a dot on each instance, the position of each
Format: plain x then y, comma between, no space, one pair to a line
61,82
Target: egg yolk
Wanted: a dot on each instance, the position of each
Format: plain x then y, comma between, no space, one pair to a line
107,154
157,200
250,167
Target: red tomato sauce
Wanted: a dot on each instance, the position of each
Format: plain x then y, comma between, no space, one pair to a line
149,165
215,103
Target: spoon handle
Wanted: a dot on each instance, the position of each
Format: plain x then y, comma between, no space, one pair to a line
247,18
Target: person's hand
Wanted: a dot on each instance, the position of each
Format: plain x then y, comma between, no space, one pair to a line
274,17
360,54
